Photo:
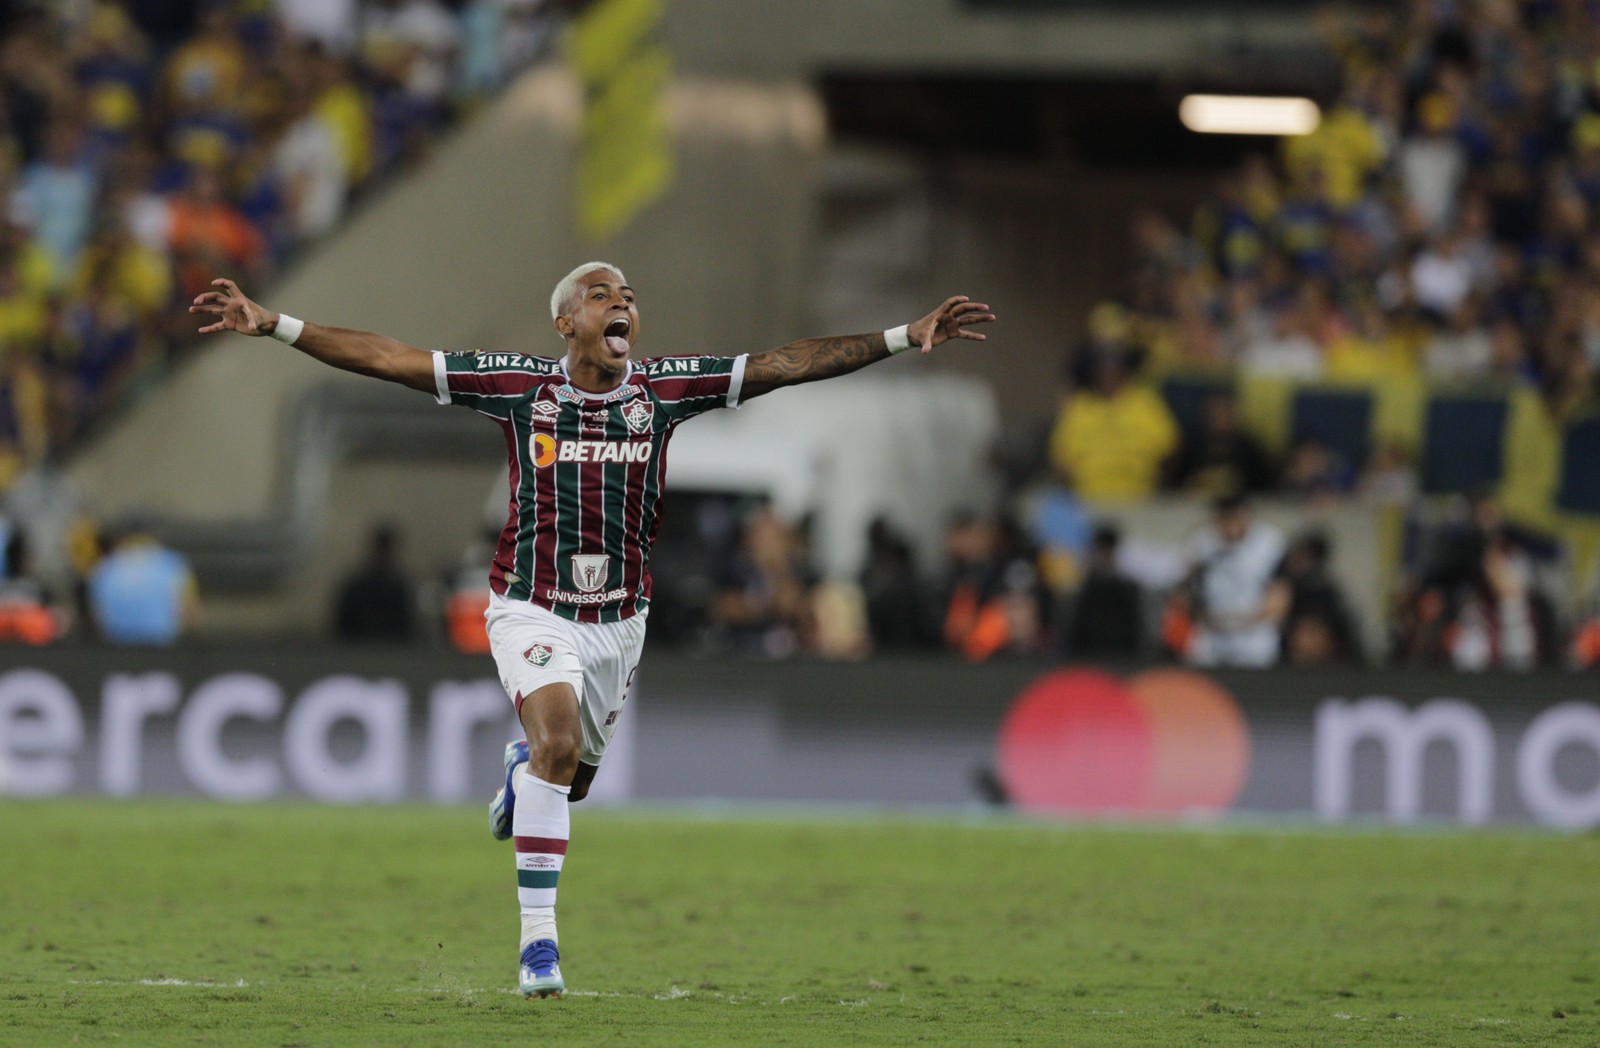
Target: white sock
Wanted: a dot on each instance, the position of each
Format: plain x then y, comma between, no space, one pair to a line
540,827
539,923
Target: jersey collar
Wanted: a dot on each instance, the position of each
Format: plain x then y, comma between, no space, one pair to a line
586,394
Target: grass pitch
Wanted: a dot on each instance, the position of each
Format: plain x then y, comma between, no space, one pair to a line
194,924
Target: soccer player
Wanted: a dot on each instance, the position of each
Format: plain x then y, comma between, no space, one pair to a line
586,436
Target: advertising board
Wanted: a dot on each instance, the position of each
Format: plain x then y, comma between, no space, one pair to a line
357,726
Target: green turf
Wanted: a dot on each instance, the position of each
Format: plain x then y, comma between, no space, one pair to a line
320,926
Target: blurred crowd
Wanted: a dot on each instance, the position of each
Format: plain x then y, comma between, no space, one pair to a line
1473,593
148,145
145,147
121,586
1442,223
1441,226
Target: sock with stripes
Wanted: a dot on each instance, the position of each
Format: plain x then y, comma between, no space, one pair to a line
539,827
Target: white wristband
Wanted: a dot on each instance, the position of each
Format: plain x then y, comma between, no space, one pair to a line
898,340
288,328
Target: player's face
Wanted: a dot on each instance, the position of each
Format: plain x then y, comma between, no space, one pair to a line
602,324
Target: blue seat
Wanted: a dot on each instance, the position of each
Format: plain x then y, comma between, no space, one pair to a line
1463,443
1338,419
1579,491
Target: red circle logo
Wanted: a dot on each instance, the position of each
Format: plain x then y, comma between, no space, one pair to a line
1166,742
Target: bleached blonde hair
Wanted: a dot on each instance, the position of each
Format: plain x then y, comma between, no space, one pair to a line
561,297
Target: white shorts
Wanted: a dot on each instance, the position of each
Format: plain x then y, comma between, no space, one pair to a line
534,647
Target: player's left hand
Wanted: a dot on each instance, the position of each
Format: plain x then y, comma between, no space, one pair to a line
949,321
232,310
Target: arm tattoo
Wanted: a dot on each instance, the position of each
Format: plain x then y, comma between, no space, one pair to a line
810,359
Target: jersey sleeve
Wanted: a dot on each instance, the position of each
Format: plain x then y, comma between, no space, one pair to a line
490,383
689,386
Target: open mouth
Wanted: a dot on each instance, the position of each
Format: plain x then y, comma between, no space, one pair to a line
616,334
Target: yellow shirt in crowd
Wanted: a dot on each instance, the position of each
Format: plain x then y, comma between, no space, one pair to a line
1111,448
1345,148
1357,359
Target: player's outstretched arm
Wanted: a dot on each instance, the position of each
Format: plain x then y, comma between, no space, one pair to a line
811,359
363,352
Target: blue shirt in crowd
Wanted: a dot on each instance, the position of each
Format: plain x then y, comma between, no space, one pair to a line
138,594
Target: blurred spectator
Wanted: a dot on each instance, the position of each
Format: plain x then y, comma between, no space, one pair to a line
93,350
993,603
309,168
1372,351
1478,604
1106,617
1463,348
30,276
1221,457
1111,438
763,599
209,235
1389,479
141,593
896,604
55,198
1061,527
1442,276
1583,652
1231,602
1433,162
839,626
206,73
375,602
1315,473
465,594
414,41
331,23
27,614
1318,628
1287,351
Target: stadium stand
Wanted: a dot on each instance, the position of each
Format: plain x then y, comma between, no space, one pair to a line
1394,304
1405,298
147,145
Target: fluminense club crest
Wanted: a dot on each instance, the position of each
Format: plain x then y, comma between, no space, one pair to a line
539,655
589,570
639,415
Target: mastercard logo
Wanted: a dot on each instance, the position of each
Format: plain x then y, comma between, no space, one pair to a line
1165,742
543,449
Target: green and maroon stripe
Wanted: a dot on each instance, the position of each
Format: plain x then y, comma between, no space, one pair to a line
541,846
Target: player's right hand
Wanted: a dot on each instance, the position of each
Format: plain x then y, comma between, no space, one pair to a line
234,312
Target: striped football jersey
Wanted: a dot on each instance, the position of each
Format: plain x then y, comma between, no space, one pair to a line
587,470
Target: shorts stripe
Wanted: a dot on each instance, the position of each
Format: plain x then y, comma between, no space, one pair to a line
542,845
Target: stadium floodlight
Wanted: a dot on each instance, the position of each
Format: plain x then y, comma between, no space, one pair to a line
1249,115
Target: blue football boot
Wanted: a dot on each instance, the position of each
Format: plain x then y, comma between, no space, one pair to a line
540,975
505,801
